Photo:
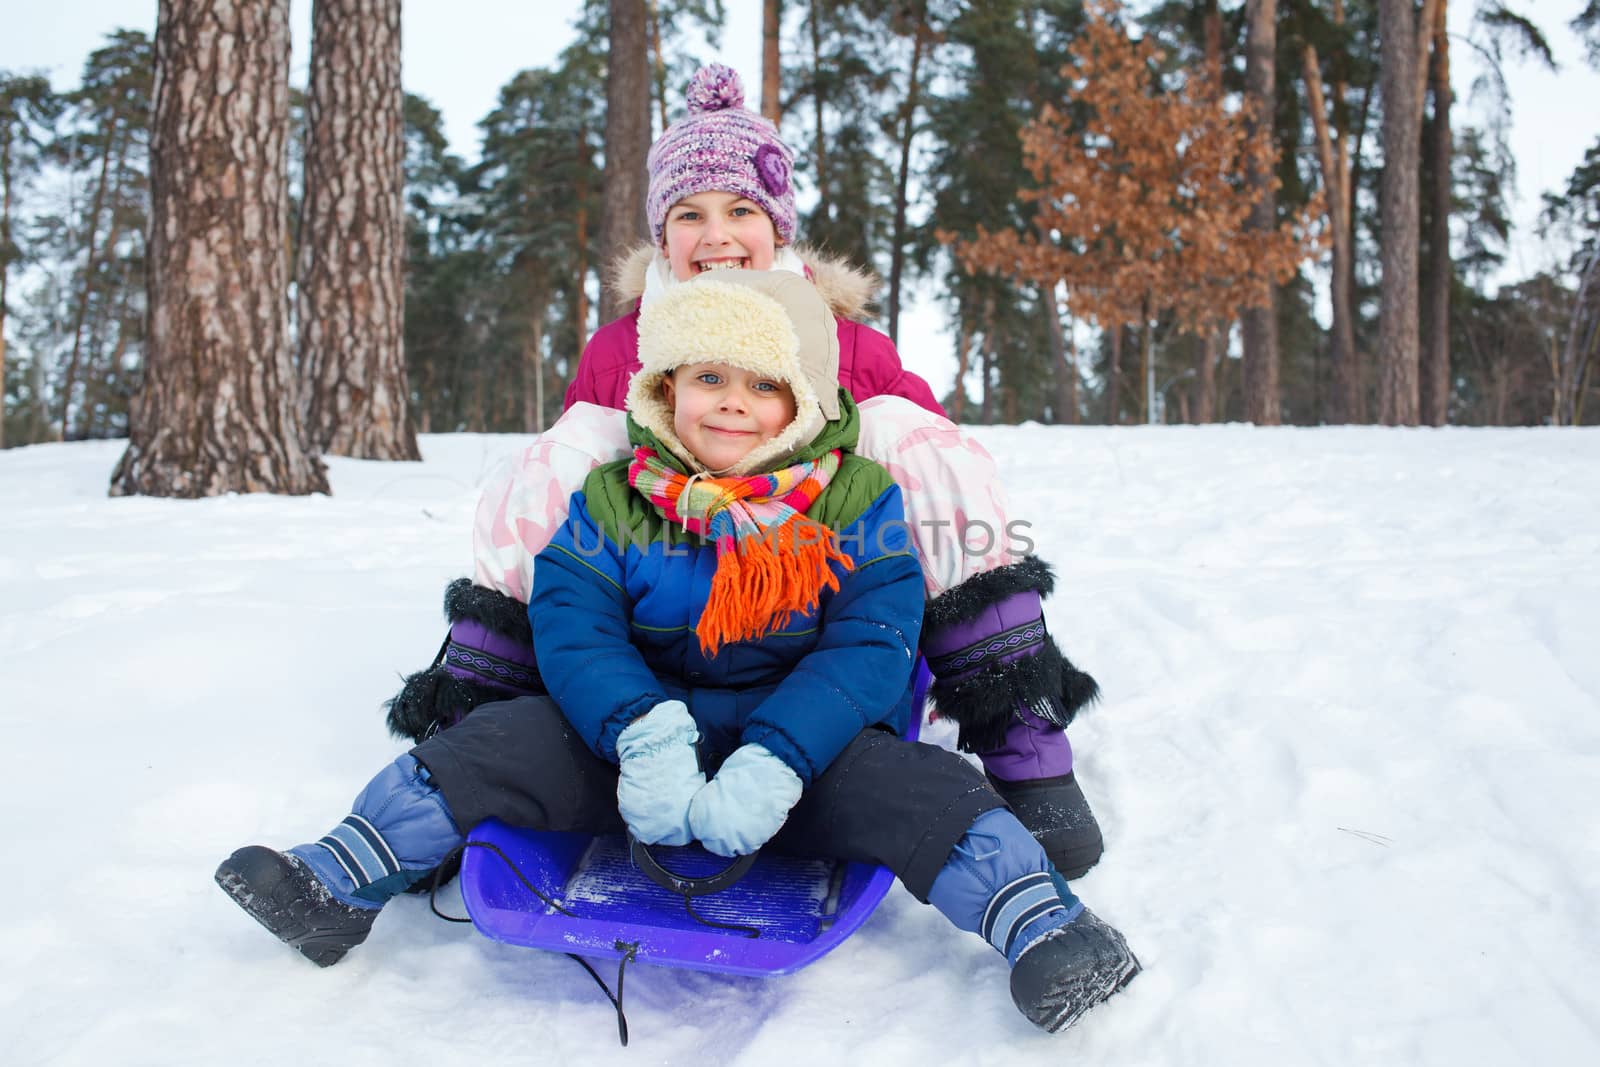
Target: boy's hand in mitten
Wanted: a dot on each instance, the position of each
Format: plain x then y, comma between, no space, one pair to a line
659,774
745,804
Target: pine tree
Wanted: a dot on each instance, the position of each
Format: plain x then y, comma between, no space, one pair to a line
107,143
1397,321
216,410
1259,321
627,140
350,296
28,110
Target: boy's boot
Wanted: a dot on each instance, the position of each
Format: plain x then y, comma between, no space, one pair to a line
1001,677
321,898
487,656
1064,959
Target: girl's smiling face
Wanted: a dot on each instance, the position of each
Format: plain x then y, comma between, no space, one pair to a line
721,412
716,230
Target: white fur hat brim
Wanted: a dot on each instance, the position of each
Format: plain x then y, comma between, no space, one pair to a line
771,324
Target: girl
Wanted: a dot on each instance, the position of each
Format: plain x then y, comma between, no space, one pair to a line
720,199
738,595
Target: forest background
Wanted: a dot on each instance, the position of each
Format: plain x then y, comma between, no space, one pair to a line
939,144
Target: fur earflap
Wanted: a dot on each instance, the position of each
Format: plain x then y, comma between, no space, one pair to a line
965,602
984,705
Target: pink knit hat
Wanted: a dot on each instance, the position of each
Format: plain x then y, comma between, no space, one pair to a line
721,146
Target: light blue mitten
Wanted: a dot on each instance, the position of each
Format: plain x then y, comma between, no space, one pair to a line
745,804
659,774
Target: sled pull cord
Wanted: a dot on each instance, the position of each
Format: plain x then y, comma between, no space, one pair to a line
629,949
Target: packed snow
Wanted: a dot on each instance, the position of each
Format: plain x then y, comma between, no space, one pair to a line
1346,766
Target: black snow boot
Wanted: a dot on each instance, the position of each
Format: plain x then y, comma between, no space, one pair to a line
1057,813
281,893
1068,971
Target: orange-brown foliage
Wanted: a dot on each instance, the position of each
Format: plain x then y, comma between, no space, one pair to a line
1144,209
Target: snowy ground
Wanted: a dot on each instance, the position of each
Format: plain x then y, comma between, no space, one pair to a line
1347,769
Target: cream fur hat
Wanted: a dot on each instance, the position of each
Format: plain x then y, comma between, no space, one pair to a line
773,323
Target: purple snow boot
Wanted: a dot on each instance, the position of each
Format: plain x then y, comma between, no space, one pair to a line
1005,683
488,656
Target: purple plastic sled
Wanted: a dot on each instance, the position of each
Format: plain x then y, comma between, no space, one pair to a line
802,907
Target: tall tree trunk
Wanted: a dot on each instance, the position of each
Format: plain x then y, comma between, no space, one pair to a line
533,371
1435,383
819,148
771,61
1205,407
1582,345
1361,370
350,300
958,397
1260,324
1397,202
622,221
580,250
1211,33
1063,358
908,129
216,412
5,265
1333,157
1147,364
986,398
90,265
1114,376
658,73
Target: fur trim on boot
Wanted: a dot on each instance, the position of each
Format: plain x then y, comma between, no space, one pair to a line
437,697
983,704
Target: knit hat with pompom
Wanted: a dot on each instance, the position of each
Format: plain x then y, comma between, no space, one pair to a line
723,147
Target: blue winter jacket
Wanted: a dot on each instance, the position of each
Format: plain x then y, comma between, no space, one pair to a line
618,591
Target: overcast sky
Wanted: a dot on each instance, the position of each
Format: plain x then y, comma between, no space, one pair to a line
458,53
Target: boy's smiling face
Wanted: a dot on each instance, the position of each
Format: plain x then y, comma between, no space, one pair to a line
721,413
715,230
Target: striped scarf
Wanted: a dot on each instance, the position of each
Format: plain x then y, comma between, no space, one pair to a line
772,561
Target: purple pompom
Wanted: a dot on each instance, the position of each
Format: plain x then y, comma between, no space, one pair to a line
714,88
773,168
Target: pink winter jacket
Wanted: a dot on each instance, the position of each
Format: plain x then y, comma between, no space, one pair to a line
868,363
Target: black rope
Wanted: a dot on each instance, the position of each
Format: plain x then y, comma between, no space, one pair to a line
747,931
433,890
629,949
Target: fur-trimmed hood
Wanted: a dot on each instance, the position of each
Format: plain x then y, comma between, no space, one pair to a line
848,290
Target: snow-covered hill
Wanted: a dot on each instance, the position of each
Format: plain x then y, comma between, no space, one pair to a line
1347,769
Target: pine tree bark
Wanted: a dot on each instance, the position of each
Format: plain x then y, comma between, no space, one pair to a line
622,222
350,300
216,412
1397,202
771,61
819,143
1063,358
1333,157
1205,410
1435,378
658,70
908,130
1259,325
1114,376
